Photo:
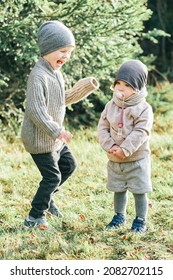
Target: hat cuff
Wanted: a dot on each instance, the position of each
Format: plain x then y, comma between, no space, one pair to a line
125,82
55,49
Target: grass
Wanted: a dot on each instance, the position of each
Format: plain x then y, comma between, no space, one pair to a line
87,207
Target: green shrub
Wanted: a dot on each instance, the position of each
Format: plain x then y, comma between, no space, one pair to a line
106,32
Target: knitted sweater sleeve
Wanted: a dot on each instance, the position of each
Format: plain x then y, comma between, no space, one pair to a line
37,111
81,90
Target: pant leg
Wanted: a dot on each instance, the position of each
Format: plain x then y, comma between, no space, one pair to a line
51,179
67,164
141,205
120,202
55,168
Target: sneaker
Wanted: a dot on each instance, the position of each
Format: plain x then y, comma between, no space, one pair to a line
117,221
138,226
53,209
31,222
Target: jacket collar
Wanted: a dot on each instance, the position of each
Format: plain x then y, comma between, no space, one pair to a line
46,66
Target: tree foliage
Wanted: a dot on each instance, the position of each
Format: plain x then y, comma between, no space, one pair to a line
106,32
162,46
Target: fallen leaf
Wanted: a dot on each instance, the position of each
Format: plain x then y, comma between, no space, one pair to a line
3,252
91,239
82,217
32,234
170,250
123,237
138,248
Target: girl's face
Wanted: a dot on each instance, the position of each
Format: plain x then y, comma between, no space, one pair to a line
124,89
59,57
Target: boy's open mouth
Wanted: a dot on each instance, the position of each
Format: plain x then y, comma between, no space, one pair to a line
59,62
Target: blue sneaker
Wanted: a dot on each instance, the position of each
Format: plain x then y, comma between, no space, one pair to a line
53,209
139,225
117,221
31,222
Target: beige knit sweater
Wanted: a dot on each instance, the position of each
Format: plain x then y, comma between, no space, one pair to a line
45,106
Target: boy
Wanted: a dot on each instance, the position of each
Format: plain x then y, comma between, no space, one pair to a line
42,132
124,132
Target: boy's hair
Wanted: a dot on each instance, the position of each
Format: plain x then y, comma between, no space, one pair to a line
54,35
133,72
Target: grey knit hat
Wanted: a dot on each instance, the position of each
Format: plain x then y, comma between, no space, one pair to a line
133,72
54,35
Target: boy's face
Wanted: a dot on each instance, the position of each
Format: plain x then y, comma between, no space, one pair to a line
59,57
125,89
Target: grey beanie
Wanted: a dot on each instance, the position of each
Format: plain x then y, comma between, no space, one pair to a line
133,72
54,35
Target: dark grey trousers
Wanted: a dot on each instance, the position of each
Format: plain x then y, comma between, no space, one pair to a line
55,168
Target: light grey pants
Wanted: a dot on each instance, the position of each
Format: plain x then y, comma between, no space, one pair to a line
134,176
